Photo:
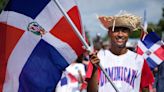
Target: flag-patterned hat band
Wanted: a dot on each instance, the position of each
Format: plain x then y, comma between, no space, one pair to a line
123,19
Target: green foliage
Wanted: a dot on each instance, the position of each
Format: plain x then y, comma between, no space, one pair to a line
3,3
161,25
135,34
155,28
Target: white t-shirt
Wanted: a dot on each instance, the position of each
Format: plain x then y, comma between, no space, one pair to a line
124,70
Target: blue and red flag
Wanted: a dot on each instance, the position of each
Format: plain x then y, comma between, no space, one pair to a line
151,47
36,44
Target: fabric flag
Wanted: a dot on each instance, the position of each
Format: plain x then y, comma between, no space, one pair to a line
36,44
152,49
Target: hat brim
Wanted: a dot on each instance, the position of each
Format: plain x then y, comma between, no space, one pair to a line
108,22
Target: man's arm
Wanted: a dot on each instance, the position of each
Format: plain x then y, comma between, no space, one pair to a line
93,80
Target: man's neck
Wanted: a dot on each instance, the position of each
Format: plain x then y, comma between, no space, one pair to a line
118,50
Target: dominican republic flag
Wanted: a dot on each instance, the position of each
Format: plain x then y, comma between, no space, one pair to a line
36,44
151,48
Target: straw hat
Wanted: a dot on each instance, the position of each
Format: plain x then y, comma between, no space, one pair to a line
123,19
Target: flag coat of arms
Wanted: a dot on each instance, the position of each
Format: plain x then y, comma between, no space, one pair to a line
151,47
36,44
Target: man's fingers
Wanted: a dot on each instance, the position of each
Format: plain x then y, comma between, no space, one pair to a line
95,59
93,56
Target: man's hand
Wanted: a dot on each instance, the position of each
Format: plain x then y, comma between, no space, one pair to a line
94,59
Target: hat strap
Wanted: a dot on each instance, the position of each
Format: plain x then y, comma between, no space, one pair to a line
114,23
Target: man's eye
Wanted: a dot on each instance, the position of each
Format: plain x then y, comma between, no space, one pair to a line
116,30
124,30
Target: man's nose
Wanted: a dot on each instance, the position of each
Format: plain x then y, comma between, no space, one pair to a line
120,33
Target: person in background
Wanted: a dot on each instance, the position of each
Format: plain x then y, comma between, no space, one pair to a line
127,69
98,42
160,78
72,79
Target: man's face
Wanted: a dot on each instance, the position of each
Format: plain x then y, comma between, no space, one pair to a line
119,37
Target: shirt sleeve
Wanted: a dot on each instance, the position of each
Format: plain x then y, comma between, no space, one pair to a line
147,77
89,71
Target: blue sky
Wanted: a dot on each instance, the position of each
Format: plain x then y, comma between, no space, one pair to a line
89,9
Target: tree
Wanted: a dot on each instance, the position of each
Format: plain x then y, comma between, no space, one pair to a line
161,22
3,3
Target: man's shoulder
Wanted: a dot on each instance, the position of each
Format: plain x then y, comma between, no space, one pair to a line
104,53
135,55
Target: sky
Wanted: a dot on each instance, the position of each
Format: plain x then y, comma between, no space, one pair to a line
90,9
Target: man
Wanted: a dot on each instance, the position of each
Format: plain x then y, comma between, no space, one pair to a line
128,70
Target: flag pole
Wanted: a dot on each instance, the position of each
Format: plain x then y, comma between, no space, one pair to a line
145,26
82,40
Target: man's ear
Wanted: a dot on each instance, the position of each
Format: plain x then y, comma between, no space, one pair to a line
109,30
